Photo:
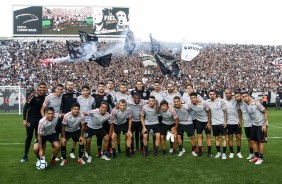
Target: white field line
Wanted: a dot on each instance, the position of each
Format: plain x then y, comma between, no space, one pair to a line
274,126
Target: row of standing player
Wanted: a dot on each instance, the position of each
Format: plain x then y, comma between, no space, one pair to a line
52,100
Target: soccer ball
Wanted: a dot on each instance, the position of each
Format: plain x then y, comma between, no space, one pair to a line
41,165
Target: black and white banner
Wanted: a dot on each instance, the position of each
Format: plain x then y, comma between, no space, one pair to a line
148,60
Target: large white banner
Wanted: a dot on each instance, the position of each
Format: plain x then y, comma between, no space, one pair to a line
189,51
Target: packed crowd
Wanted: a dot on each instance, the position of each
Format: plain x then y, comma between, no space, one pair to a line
218,66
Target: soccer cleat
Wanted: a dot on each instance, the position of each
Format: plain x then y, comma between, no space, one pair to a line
53,162
231,155
142,151
99,154
80,161
180,153
57,159
194,154
104,157
156,152
64,162
128,155
200,153
209,155
183,149
89,160
239,155
250,156
254,160
223,156
72,155
114,154
164,152
171,150
217,155
24,159
132,151
259,161
146,153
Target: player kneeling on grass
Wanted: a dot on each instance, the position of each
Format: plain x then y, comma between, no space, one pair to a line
169,123
121,121
47,132
73,126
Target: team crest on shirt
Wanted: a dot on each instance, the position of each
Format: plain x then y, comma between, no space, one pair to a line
105,98
144,94
74,96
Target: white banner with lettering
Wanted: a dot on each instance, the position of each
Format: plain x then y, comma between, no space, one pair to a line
189,51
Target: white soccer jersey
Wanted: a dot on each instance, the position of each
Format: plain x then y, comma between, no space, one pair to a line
201,111
169,116
119,117
124,96
136,109
256,111
232,111
97,119
248,121
150,115
158,95
169,97
73,122
46,127
53,101
184,115
217,115
86,104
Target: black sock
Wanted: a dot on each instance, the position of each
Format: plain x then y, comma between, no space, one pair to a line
209,149
119,147
218,148
132,143
180,147
63,152
261,155
114,150
156,147
182,138
141,144
200,149
193,148
251,150
81,151
53,157
72,150
256,154
146,148
238,149
128,150
99,150
224,149
137,135
231,149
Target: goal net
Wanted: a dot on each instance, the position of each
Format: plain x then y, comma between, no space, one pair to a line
12,99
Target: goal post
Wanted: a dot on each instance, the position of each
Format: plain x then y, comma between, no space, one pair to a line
12,99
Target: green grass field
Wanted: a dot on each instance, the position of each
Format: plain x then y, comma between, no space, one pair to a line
151,169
